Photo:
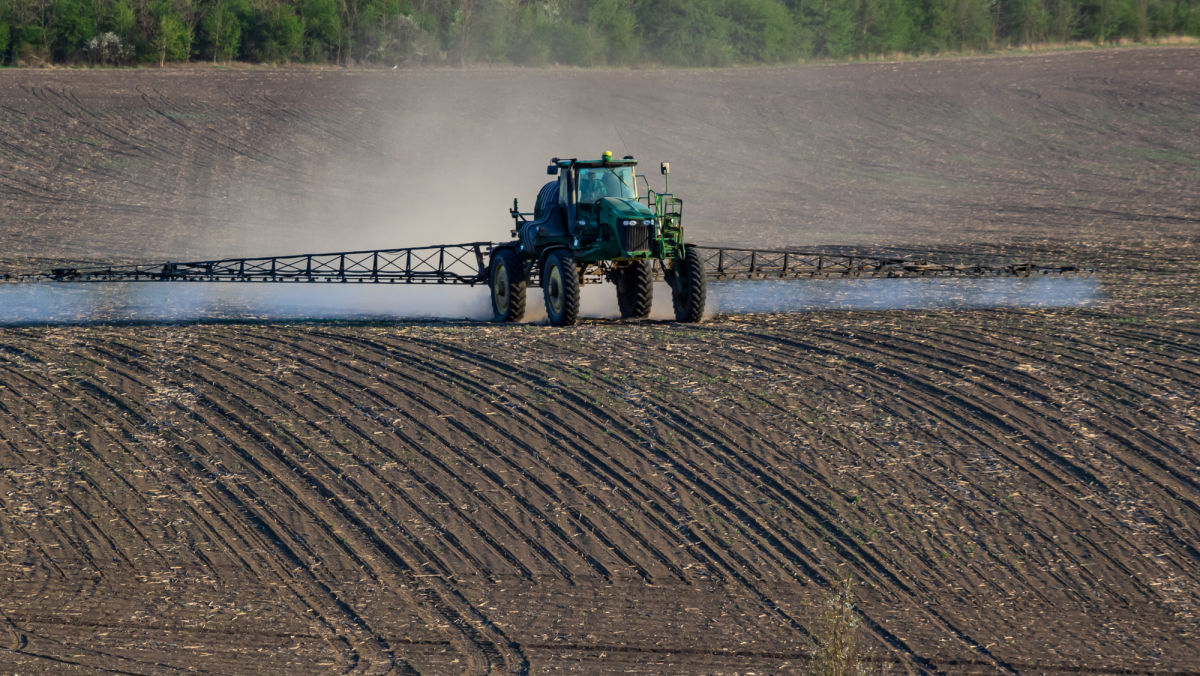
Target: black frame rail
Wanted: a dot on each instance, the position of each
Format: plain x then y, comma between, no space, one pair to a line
734,263
438,264
468,264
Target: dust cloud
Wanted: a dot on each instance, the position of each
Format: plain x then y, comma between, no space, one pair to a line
415,158
407,159
365,160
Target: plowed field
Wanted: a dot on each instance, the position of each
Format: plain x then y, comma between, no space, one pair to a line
1011,490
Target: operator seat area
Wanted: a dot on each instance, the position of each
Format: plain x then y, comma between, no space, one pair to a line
612,185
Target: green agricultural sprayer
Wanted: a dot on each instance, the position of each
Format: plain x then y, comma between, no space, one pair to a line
591,224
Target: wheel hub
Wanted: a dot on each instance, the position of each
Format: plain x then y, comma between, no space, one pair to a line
554,288
500,287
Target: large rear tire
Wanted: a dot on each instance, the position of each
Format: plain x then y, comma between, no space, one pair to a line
560,287
635,290
507,280
688,290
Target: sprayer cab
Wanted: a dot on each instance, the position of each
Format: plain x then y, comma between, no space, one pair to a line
591,223
594,208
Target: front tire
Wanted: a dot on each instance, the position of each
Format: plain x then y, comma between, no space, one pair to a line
560,288
506,278
688,289
635,290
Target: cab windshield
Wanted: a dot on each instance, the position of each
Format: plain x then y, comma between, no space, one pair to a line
597,182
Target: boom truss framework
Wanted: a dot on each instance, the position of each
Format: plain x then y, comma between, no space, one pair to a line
468,264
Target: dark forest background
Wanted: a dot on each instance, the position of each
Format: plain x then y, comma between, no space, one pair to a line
570,32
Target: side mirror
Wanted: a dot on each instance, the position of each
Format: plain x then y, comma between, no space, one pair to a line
665,168
552,170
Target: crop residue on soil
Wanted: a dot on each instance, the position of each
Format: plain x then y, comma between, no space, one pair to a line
1011,489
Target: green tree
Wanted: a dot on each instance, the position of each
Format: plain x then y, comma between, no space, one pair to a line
275,35
172,39
220,31
528,43
381,31
75,24
6,18
1063,22
760,30
32,28
1106,20
322,29
882,26
1190,23
1024,21
613,24
120,18
572,44
686,32
5,36
826,27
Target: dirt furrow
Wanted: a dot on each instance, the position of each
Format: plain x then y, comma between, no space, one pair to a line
351,525
416,400
679,418
582,523
818,379
996,372
995,425
232,496
791,552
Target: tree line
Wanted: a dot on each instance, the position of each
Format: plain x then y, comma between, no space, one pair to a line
570,32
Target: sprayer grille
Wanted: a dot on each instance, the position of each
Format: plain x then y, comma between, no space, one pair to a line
635,238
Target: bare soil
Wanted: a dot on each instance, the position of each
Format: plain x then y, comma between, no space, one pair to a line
1010,490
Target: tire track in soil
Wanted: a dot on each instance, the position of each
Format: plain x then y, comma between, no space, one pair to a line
734,358
583,524
205,138
864,395
1095,371
349,525
1047,478
103,495
260,536
788,557
891,393
106,402
453,477
730,570
341,478
1155,364
431,488
1123,433
426,483
99,535
926,407
961,635
71,108
269,522
537,414
358,356
1031,421
846,547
